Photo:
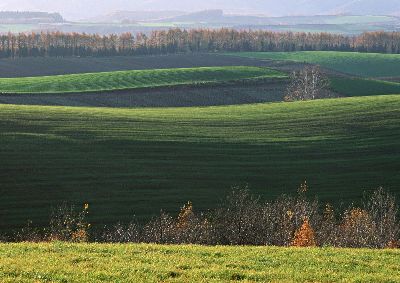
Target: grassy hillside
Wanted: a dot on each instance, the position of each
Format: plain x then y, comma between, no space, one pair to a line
59,262
131,79
363,87
360,64
137,161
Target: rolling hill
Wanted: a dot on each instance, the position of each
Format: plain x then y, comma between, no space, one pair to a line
358,74
352,63
29,18
120,80
138,161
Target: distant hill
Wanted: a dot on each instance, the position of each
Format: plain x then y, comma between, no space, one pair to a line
29,17
208,16
135,16
219,17
285,7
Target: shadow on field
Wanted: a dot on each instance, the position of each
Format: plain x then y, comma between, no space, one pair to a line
178,96
49,66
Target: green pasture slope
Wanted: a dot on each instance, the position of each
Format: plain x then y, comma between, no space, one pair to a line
363,86
353,63
127,162
120,80
62,262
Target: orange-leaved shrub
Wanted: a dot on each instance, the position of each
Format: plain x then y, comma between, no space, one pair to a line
304,236
393,245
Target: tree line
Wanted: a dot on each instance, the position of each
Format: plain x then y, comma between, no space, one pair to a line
241,219
59,44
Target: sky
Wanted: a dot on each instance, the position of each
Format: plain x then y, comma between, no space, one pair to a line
81,9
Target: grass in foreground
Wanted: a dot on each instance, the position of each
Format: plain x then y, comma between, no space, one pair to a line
120,80
360,64
61,262
137,161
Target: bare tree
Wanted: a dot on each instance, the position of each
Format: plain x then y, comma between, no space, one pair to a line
307,84
384,211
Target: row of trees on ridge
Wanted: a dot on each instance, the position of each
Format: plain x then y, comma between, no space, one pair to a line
195,40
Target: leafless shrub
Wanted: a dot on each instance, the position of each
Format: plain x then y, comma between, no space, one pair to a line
188,228
67,223
327,231
160,230
282,221
3,238
307,84
29,234
237,219
376,225
288,214
120,233
356,230
242,219
193,228
383,211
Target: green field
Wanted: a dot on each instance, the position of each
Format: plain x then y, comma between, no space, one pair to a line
360,64
59,262
120,80
363,87
138,161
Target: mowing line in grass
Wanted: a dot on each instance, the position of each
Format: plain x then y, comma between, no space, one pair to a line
119,80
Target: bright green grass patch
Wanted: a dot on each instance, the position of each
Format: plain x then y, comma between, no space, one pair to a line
363,87
62,262
127,162
361,64
131,79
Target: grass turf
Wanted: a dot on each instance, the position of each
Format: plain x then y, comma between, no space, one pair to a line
363,87
120,80
354,63
61,262
138,161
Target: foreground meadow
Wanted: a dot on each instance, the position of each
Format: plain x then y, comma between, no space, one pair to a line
62,262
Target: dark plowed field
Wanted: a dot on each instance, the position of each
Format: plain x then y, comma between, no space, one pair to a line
160,97
30,67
